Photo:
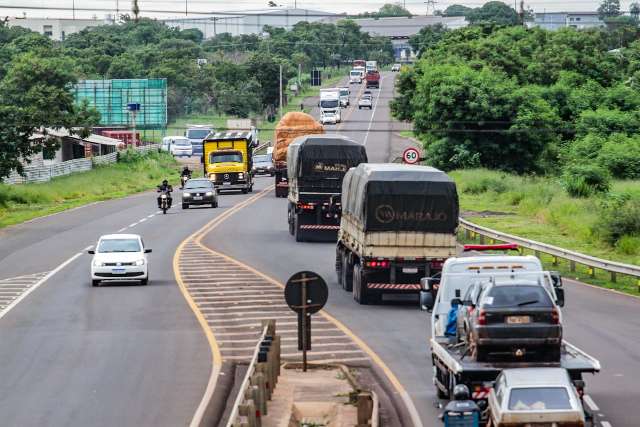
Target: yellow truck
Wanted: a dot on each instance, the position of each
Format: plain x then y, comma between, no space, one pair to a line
228,159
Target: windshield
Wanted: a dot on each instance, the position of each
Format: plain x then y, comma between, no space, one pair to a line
538,399
329,103
517,296
344,92
198,133
355,73
198,183
234,157
118,245
261,159
182,142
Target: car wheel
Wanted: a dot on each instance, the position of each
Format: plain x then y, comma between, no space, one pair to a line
214,204
144,282
245,191
95,283
185,206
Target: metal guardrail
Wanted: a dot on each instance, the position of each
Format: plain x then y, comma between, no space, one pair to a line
574,258
259,381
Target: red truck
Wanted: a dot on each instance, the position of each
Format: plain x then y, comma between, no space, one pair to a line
359,63
373,79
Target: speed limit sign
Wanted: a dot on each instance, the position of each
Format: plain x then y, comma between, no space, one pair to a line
411,156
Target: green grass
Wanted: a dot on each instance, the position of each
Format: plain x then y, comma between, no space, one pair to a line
19,203
540,209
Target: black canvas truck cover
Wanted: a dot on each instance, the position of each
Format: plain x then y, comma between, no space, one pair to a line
315,158
396,197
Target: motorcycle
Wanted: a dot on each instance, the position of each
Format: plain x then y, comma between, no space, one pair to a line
183,180
165,202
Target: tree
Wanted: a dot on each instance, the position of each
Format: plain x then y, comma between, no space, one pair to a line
456,10
427,37
634,10
493,12
609,9
391,10
35,94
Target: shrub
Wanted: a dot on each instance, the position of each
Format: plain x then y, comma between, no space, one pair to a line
628,245
620,155
616,222
585,180
485,184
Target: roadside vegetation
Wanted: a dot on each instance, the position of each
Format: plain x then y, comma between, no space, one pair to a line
132,174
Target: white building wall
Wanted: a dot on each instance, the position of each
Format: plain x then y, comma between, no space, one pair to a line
55,28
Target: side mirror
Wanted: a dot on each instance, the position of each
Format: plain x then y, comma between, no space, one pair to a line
456,301
147,251
556,278
560,297
91,252
428,282
426,300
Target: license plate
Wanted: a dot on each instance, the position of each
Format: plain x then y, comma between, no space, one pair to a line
518,319
226,183
197,198
118,271
409,270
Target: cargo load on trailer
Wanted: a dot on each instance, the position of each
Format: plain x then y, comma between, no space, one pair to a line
291,126
316,165
372,79
398,225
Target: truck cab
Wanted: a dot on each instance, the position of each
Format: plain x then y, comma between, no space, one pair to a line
355,76
197,134
228,160
330,106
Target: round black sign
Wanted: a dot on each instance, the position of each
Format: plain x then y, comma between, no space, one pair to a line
317,292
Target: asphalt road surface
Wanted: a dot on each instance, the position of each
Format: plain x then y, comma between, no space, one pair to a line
75,355
602,323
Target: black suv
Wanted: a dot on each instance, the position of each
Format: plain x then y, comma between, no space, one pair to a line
510,318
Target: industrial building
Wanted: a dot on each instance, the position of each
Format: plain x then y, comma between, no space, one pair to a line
556,20
57,28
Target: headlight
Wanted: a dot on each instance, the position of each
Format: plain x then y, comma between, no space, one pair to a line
212,176
140,262
240,175
98,264
186,194
209,193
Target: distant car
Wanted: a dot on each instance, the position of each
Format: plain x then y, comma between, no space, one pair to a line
366,101
119,257
511,318
327,119
181,147
199,191
262,165
535,396
395,67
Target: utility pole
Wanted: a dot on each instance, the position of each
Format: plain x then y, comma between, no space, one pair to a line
117,11
74,9
186,8
522,14
280,90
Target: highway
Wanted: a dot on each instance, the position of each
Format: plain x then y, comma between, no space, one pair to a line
73,355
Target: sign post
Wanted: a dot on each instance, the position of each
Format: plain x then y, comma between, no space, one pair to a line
305,293
411,156
133,108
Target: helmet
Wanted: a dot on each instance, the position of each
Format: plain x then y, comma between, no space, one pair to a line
165,182
461,392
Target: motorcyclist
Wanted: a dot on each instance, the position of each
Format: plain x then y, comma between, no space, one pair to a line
186,172
165,187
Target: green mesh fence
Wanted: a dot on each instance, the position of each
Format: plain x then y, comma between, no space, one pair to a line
110,98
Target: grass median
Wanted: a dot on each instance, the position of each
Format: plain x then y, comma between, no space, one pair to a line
133,174
539,208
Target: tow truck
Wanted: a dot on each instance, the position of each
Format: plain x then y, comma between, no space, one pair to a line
452,364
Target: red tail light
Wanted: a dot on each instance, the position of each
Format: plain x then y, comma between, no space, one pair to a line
482,317
437,264
555,316
306,206
379,264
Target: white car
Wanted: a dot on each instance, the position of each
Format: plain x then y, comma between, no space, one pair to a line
328,119
365,102
535,396
395,67
119,257
178,146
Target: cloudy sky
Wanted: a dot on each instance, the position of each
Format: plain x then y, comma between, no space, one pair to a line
176,8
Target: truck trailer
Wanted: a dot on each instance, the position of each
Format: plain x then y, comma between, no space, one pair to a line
398,225
290,126
372,79
316,165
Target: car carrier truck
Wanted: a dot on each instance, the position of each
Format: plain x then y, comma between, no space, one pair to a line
398,225
290,126
316,165
452,364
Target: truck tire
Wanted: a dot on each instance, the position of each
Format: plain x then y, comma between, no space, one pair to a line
297,232
347,273
339,265
359,289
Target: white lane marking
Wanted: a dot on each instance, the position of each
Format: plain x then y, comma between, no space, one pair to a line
142,220
133,225
38,284
151,216
605,423
590,403
87,248
122,229
373,113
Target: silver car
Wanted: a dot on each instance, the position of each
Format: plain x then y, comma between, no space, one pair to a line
535,396
365,102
